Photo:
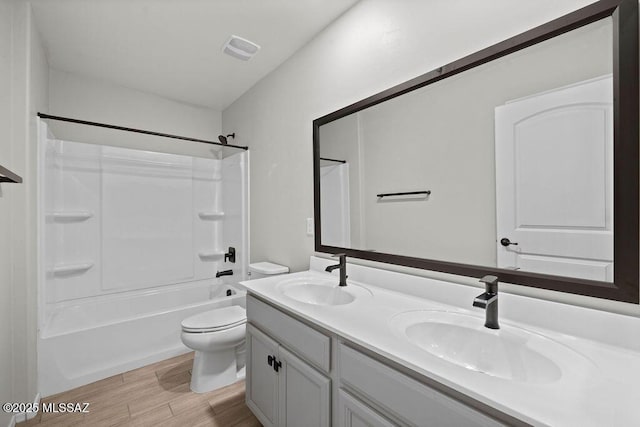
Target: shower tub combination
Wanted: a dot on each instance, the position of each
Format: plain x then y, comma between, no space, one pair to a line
131,241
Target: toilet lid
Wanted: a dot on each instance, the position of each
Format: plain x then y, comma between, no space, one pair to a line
215,320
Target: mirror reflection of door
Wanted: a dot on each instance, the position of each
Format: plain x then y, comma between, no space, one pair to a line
554,182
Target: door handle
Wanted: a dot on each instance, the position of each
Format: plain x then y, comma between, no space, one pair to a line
270,360
506,242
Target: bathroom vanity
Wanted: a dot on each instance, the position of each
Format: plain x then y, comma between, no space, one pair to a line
284,389
320,355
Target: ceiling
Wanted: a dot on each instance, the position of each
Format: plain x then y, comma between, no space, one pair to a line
173,48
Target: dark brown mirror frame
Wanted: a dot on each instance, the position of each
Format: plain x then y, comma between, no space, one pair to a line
625,286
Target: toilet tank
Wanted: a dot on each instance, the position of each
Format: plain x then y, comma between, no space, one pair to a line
259,270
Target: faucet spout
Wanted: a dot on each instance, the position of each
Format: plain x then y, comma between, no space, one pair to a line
484,300
489,301
224,273
342,265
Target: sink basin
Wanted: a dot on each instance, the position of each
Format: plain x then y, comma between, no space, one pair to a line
317,291
319,294
510,353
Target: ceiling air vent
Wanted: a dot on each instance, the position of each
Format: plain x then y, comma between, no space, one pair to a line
240,48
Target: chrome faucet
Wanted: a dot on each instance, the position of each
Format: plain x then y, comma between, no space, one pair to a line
489,301
342,265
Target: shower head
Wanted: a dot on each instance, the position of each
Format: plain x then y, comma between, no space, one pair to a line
223,139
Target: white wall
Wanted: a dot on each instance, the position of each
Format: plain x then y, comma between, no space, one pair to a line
90,99
6,197
375,45
23,89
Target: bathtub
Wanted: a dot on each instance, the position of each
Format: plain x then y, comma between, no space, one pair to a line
85,342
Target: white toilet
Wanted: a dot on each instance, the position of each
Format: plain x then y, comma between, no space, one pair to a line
259,270
217,336
214,335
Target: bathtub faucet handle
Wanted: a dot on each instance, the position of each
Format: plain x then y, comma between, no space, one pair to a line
230,255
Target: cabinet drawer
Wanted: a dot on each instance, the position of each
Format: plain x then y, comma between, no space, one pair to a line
403,397
305,341
353,413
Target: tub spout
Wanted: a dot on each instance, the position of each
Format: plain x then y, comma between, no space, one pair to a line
224,273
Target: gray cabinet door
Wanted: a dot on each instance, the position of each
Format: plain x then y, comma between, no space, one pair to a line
305,394
261,379
353,413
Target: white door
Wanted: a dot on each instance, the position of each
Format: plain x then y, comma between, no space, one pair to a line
554,182
334,201
304,394
261,378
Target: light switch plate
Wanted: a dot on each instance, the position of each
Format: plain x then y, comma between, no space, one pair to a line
309,226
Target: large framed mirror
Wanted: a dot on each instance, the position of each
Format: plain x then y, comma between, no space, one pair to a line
520,160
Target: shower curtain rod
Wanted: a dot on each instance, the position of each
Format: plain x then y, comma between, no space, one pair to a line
146,132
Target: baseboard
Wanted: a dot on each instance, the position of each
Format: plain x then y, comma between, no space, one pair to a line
24,416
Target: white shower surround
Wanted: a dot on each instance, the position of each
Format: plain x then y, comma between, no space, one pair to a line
130,243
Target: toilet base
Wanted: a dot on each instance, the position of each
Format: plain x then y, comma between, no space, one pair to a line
213,370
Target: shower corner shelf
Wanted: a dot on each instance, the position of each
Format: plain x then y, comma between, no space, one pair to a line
211,215
68,269
7,176
69,216
211,255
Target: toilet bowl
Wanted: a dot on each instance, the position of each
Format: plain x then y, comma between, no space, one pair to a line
215,336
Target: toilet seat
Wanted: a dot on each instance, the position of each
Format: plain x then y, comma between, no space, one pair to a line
219,319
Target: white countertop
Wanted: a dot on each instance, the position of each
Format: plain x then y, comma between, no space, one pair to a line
603,391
